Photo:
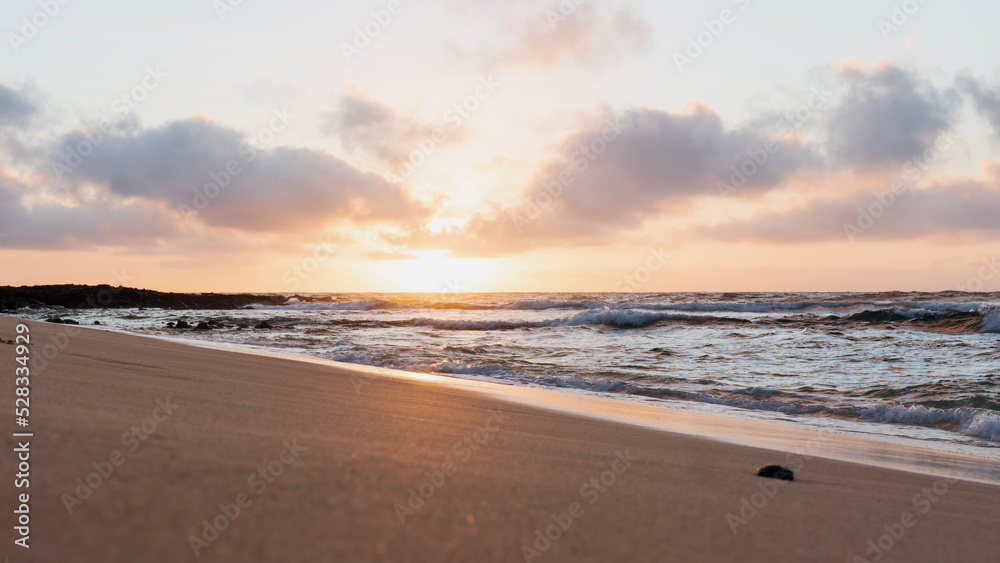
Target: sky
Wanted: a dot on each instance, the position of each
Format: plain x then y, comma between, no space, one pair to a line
518,145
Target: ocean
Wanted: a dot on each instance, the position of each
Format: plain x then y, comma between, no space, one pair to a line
915,366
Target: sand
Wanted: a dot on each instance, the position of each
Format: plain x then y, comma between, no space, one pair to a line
326,463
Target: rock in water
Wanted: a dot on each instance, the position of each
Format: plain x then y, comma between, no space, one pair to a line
182,324
776,472
202,326
263,324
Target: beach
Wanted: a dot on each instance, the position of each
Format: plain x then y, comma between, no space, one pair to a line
145,449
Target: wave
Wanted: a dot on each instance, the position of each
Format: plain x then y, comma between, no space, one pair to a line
943,317
364,305
455,367
543,304
693,306
594,317
974,422
948,322
912,309
968,421
943,306
991,319
636,319
927,320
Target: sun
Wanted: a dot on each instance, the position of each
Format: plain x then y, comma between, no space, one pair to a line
435,271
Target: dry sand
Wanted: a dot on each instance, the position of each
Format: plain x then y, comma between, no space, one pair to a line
505,469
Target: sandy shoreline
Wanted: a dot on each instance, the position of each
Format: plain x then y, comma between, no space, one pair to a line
322,463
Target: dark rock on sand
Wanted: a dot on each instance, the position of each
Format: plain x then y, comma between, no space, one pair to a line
58,320
776,472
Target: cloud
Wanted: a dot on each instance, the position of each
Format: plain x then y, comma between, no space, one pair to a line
659,158
569,33
120,184
214,169
16,107
959,206
367,125
885,115
617,171
985,97
879,120
73,224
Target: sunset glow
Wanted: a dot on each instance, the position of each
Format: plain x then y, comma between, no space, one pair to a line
513,147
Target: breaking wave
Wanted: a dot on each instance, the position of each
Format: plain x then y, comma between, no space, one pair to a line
594,317
991,319
968,421
364,305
